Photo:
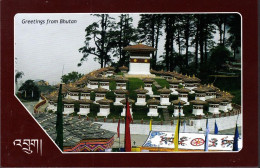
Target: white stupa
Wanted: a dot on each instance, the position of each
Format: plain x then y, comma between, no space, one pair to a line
139,60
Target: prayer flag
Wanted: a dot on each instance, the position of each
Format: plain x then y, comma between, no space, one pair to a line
235,142
127,128
216,128
207,137
151,125
184,126
177,130
176,136
118,128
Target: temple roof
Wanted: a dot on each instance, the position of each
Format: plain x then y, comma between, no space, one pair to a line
192,79
201,89
104,79
105,101
73,88
174,81
164,90
139,48
176,102
85,101
110,68
183,90
198,102
74,129
69,101
86,90
100,90
121,91
131,101
123,68
141,90
121,79
220,93
82,80
148,80
225,99
214,100
212,88
153,101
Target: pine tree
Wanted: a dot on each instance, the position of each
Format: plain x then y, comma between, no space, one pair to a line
101,33
59,122
125,34
149,28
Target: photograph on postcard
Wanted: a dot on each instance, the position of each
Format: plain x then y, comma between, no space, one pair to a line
132,82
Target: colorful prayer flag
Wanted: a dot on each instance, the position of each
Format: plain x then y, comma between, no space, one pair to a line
216,128
176,136
206,148
127,128
184,126
118,128
151,125
235,142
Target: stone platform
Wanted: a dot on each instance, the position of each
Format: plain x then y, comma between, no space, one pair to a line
139,75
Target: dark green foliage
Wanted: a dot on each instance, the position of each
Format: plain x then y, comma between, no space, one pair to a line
110,95
191,97
92,96
46,88
115,111
94,109
30,91
125,34
103,33
149,29
76,107
71,77
230,84
18,75
162,82
187,110
219,55
173,97
134,83
140,112
170,110
112,85
59,122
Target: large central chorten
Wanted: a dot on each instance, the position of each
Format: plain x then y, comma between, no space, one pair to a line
139,63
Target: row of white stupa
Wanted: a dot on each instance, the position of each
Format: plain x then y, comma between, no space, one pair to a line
207,93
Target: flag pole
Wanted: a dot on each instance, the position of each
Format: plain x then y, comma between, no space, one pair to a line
119,133
179,121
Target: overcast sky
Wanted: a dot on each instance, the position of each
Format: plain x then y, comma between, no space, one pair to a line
43,49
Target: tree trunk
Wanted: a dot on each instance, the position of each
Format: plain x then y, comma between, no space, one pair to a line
171,48
156,43
102,40
196,48
120,37
201,40
224,33
220,33
167,42
206,38
187,34
179,41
